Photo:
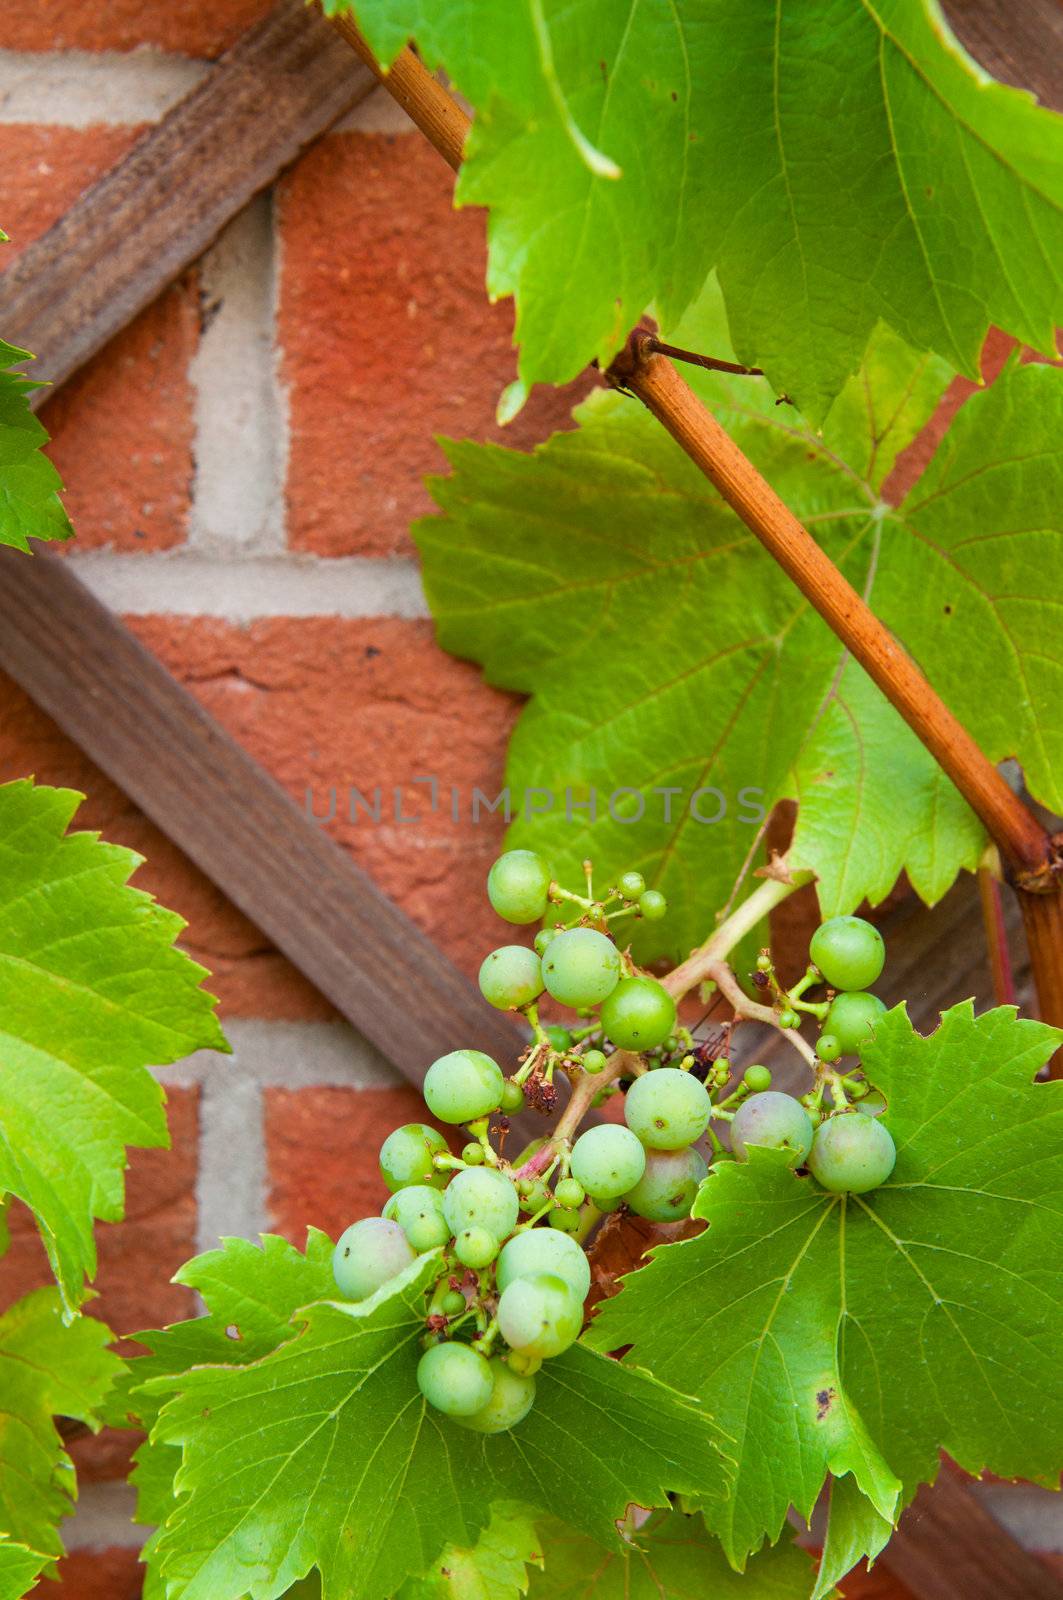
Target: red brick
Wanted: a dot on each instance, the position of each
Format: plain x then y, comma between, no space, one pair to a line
187,26
388,339
322,1146
113,1574
46,168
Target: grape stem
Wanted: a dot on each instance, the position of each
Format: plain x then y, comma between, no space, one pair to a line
779,883
728,985
620,1064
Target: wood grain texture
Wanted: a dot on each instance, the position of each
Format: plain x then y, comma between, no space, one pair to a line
111,695
1018,41
129,235
949,1547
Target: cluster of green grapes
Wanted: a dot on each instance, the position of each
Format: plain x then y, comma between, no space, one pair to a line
513,1272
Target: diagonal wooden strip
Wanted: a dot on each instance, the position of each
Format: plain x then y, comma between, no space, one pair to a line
282,85
1019,44
111,695
949,1547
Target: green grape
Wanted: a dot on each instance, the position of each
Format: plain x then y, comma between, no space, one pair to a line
852,1019
873,1104
454,1304
757,1078
463,1085
543,938
671,1044
369,1254
653,905
608,1161
418,1210
569,1193
564,1221
581,967
473,1155
560,1038
775,1120
525,1365
534,1194
511,977
512,1096
455,1379
406,1156
667,1188
852,1154
593,1061
540,1315
788,1018
638,1015
481,1197
848,951
667,1108
828,1047
512,1397
475,1247
518,885
543,1250
631,885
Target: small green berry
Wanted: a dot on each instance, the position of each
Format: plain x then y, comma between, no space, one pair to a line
764,962
829,1048
653,905
473,1155
569,1193
788,1018
512,1096
543,938
476,1247
757,1078
593,1061
537,1196
453,1304
631,885
560,1038
565,1221
525,1365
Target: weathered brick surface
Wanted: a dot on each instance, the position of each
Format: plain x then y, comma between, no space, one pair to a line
46,168
387,340
322,1145
113,1574
187,26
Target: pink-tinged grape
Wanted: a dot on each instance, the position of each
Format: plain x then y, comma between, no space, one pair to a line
608,1161
511,977
638,1015
852,1019
406,1156
481,1197
369,1254
518,885
848,951
418,1211
774,1120
667,1108
631,885
540,1315
653,905
455,1379
852,1154
668,1187
463,1085
475,1247
544,1250
512,1096
581,967
512,1397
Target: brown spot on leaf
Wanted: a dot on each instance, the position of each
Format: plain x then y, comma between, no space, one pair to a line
825,1398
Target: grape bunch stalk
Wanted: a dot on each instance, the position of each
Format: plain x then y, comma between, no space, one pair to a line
510,1234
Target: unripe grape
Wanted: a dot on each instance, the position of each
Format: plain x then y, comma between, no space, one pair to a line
481,1197
512,1096
560,1038
852,1019
593,1061
455,1379
775,1120
526,1365
512,1397
638,1015
788,1018
667,1108
540,1315
828,1048
369,1254
852,1153
564,1221
569,1194
463,1085
543,938
652,905
518,885
581,967
511,977
608,1161
544,1250
668,1187
475,1247
418,1210
454,1304
535,1195
631,885
406,1156
757,1078
848,951
473,1155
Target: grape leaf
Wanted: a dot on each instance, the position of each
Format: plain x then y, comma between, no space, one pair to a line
324,1454
47,1368
673,1558
19,1568
30,507
91,992
665,651
838,165
854,1530
494,1568
861,1334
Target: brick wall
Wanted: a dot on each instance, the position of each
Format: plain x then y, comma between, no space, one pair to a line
242,466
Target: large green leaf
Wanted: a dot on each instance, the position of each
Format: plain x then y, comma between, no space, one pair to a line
859,1335
323,1454
665,650
47,1368
19,1568
494,1568
30,507
92,992
839,163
